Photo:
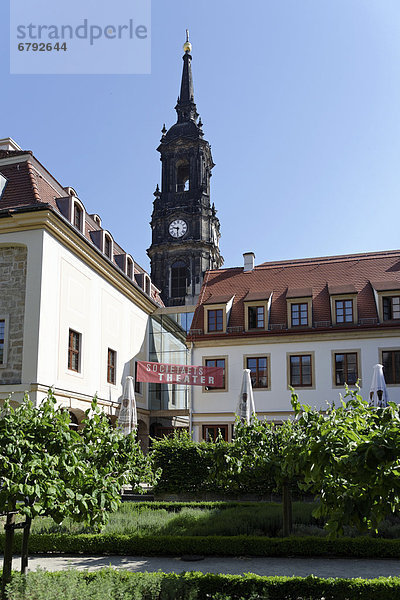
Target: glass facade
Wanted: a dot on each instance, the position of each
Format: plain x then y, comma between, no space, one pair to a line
167,335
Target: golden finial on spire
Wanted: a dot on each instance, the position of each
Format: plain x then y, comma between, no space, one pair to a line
187,46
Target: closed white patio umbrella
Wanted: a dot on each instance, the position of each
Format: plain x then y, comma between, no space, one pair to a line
246,406
378,395
127,418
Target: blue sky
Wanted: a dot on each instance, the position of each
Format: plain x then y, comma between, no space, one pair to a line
300,100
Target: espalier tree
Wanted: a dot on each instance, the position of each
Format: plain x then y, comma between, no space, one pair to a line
350,459
46,468
264,448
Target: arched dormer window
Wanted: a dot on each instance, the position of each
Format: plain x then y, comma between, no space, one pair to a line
129,268
78,217
147,285
107,246
182,176
179,279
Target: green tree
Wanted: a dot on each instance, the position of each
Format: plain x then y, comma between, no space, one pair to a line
264,448
46,468
350,458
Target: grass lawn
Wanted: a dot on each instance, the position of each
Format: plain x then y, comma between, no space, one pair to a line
258,519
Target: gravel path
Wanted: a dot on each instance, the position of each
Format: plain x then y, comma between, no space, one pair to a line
321,567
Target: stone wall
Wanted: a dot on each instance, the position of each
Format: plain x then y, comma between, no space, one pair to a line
13,261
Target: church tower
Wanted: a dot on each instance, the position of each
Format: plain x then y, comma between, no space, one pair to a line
185,228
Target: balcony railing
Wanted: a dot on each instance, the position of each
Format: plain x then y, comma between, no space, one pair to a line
368,321
234,329
195,332
322,324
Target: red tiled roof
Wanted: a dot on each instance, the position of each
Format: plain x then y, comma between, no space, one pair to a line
299,292
28,186
349,274
218,299
385,286
335,290
253,296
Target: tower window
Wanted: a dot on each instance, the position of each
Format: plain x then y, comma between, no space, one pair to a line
178,279
182,177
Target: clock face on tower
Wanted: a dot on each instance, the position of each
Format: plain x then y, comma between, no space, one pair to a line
177,228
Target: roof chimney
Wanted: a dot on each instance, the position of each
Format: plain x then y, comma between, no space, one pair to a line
9,144
248,258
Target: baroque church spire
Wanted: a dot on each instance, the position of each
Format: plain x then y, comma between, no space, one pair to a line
185,228
186,107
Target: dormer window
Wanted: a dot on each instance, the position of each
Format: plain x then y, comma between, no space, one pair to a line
299,314
129,268
391,308
215,320
299,307
147,285
107,246
343,304
256,310
78,216
256,317
344,311
387,299
217,310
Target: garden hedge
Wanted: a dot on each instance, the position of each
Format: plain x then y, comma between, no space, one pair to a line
192,467
109,584
99,544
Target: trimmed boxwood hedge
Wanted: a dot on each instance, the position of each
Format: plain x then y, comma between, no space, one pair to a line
108,584
361,547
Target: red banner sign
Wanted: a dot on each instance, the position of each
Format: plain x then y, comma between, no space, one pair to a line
182,374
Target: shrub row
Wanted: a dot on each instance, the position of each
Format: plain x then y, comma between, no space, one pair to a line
194,467
95,544
109,584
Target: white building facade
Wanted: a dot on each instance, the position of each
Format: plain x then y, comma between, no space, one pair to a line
75,309
314,338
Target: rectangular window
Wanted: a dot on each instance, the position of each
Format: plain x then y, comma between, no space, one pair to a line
300,370
258,371
211,432
391,308
215,320
256,317
111,365
216,362
391,366
74,351
346,368
2,339
299,314
344,311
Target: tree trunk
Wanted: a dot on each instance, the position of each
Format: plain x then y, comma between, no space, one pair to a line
24,547
287,509
8,552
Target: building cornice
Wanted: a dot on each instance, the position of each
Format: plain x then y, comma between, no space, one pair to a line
48,220
249,340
